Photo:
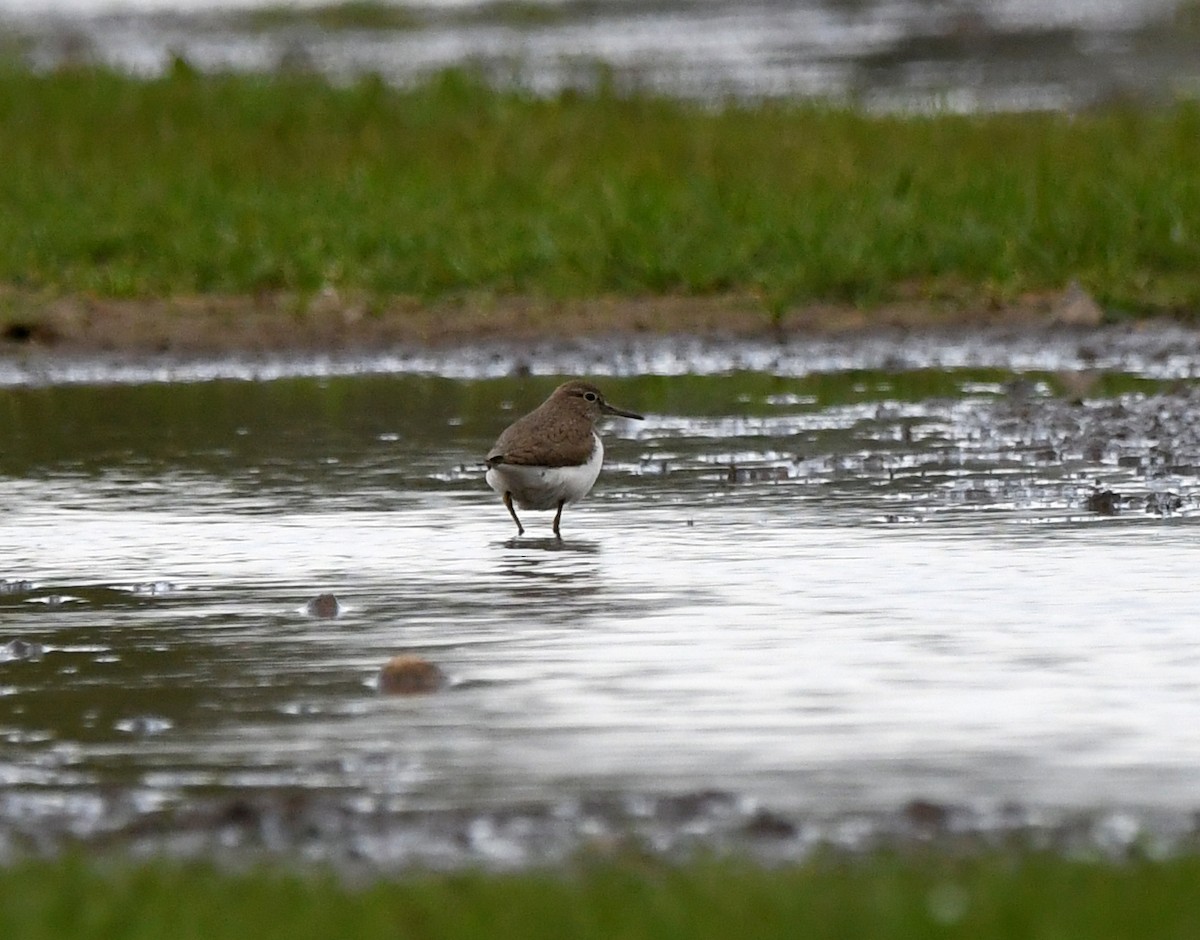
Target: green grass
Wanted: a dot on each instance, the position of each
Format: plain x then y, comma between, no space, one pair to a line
187,184
881,898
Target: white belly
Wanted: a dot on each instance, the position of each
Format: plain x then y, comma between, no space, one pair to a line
546,487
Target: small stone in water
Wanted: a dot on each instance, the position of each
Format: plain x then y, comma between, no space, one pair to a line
410,675
325,606
1104,502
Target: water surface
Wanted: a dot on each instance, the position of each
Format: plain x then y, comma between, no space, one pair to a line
966,55
824,594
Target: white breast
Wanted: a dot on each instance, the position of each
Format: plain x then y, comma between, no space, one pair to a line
546,487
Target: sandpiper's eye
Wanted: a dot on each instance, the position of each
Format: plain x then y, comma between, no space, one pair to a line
590,396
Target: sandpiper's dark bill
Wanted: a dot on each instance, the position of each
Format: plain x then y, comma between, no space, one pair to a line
608,409
551,457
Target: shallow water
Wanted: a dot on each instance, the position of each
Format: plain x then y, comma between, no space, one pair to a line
966,55
823,594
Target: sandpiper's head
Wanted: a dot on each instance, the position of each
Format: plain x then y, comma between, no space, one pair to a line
583,398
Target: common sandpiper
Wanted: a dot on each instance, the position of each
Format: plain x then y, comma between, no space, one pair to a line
551,457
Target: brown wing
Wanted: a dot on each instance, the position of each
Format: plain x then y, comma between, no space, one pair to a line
532,441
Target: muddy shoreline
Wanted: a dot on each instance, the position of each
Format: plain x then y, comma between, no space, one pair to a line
81,340
332,322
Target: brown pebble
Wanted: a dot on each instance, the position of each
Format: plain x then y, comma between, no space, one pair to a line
410,675
324,606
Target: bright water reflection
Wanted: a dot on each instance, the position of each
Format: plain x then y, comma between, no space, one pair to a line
823,593
966,55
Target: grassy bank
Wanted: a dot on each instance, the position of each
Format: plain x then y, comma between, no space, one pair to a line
881,898
239,185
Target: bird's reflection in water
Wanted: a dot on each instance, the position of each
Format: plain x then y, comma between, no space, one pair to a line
553,576
582,546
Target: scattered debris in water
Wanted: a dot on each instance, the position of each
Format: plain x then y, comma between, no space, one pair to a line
1104,502
358,833
410,675
323,607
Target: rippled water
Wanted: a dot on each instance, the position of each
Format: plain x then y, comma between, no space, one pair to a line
963,55
821,593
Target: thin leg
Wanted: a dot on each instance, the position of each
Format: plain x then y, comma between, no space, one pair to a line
557,518
512,512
